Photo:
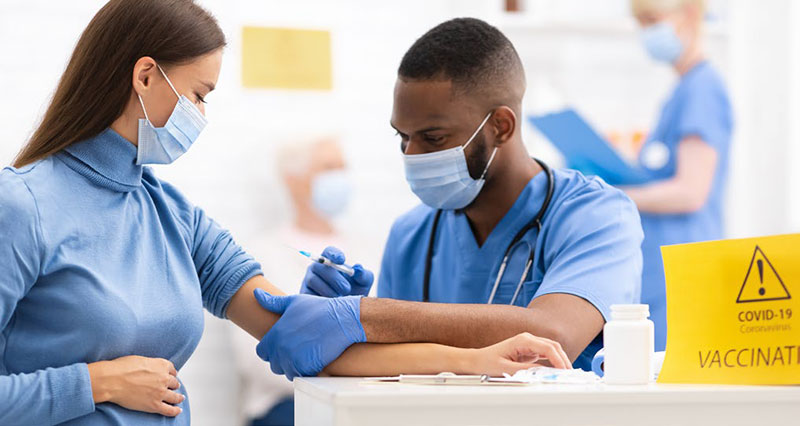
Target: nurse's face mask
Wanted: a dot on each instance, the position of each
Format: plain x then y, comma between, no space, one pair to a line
441,179
163,145
661,42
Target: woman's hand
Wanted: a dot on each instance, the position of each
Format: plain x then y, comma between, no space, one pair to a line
137,383
517,353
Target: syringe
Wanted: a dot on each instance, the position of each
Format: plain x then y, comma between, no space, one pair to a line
344,268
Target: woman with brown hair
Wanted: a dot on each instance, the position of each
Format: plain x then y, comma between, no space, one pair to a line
105,269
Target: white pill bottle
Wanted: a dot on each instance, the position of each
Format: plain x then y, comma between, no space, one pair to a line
629,344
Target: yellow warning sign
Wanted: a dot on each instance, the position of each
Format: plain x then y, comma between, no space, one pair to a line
762,283
730,311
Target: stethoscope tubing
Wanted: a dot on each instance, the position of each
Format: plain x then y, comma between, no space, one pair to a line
535,223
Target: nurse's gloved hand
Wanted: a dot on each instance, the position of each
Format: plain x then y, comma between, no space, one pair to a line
311,332
322,280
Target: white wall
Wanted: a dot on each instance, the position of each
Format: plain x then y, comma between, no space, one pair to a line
765,74
583,51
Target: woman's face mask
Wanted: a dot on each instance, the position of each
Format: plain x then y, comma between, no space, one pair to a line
662,42
163,145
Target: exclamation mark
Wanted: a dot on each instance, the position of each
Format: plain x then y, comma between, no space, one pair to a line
760,264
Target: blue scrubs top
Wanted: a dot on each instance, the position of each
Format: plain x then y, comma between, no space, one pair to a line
699,106
589,246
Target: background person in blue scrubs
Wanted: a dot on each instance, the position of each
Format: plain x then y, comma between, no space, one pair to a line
457,103
105,269
687,152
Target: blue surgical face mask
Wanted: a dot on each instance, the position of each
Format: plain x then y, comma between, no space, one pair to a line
441,179
661,42
330,192
163,145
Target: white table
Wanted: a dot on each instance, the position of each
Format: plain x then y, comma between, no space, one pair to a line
337,401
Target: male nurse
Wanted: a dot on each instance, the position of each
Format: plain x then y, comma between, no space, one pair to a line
457,111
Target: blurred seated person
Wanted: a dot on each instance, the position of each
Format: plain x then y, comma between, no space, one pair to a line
318,188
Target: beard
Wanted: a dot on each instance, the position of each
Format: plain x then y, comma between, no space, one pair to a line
479,158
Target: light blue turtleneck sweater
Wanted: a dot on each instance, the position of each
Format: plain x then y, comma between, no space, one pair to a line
100,259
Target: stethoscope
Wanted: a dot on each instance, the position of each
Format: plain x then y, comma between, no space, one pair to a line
535,223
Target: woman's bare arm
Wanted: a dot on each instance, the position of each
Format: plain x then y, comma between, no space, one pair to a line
245,311
372,359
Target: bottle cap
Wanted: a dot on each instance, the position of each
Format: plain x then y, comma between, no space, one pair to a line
632,311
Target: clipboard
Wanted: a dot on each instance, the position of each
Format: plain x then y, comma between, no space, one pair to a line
531,376
585,150
449,379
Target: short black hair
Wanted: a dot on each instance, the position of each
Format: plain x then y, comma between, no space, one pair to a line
467,51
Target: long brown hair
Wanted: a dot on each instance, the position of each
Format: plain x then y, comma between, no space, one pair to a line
96,84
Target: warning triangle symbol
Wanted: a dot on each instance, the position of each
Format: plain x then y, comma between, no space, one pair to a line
762,282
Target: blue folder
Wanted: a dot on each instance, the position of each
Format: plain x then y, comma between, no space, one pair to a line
585,150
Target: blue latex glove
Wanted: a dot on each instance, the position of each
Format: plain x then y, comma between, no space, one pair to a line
322,280
311,332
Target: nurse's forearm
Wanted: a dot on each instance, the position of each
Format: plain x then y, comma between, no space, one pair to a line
567,319
461,325
359,360
365,359
665,197
687,191
246,313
